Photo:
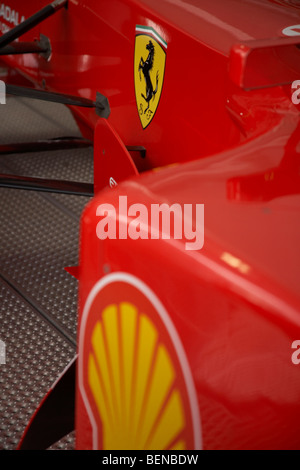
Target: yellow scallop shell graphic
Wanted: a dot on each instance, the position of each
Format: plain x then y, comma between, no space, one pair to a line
131,377
135,382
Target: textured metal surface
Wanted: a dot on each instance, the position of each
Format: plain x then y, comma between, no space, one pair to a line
38,237
38,240
35,355
67,443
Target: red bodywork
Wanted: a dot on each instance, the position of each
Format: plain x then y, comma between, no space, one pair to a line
225,134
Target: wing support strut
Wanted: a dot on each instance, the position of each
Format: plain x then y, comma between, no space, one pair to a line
101,104
31,22
46,185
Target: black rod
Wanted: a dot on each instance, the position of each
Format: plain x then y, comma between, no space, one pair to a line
45,145
45,185
101,104
23,48
49,96
31,22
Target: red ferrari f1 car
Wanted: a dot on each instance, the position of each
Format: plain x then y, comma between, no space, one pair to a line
189,295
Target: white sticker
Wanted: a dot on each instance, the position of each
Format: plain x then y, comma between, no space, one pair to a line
292,30
112,182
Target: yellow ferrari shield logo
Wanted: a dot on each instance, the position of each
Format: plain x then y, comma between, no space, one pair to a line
149,70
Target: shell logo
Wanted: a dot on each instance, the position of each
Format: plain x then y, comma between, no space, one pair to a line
134,377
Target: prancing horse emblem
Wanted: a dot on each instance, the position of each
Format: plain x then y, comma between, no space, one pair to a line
146,67
149,69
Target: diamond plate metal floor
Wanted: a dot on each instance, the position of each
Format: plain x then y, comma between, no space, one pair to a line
38,237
